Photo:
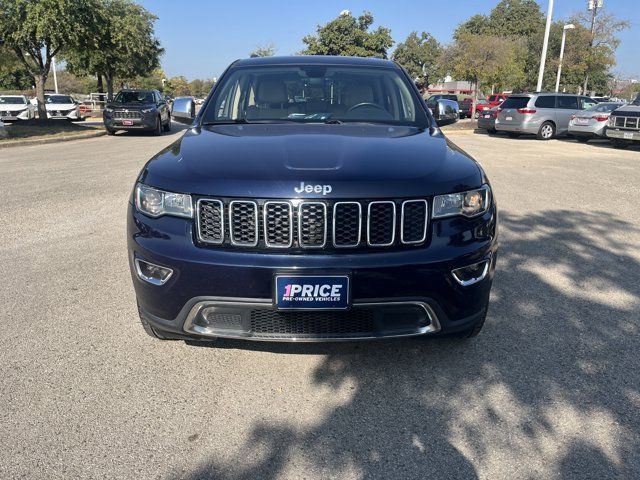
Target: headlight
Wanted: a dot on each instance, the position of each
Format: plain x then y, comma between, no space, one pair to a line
147,110
612,121
467,204
155,203
108,110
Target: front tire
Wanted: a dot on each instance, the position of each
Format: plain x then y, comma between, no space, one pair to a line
547,131
110,131
158,130
167,126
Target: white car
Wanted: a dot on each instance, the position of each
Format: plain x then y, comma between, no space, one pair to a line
60,106
16,107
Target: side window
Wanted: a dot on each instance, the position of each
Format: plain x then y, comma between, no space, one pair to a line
546,101
587,102
568,102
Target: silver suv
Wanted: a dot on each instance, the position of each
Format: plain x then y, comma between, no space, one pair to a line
543,114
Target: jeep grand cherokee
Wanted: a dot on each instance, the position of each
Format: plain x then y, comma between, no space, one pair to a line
312,198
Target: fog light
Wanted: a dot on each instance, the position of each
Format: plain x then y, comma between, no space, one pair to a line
151,273
471,274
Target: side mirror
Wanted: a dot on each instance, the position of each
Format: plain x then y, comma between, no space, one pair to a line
446,112
184,109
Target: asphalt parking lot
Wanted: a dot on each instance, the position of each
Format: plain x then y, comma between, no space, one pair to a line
550,388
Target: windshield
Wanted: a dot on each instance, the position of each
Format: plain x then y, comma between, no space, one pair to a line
603,107
58,99
314,93
13,100
134,97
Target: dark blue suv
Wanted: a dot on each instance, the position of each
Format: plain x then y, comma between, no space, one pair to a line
311,199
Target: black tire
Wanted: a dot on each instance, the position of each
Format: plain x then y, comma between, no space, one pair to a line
583,139
513,134
621,144
148,328
475,330
167,126
547,131
492,131
110,131
158,130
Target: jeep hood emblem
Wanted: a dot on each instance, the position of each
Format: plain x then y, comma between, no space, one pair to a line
323,189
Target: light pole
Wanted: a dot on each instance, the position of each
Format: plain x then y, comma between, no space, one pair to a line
592,6
569,26
545,44
55,76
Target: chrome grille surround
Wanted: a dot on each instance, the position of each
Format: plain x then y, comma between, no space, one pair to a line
410,204
373,215
216,238
275,223
246,235
306,228
359,225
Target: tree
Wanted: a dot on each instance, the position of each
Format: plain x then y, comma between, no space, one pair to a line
267,50
38,30
486,59
177,86
13,75
421,56
200,88
126,46
349,36
519,20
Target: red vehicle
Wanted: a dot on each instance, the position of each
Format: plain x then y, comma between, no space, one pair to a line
492,101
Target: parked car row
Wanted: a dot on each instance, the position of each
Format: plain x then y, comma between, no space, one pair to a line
548,115
19,107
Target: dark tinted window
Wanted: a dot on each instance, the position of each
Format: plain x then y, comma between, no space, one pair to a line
568,102
515,102
637,100
134,97
548,101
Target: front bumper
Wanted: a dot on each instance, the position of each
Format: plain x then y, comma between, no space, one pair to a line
145,122
394,293
10,116
623,134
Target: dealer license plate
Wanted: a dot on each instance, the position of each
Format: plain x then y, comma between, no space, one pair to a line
628,135
127,122
309,292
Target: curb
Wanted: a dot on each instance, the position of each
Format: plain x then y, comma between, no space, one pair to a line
42,141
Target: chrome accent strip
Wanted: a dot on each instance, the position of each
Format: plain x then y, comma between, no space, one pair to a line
393,236
333,233
199,234
324,241
191,328
151,280
466,283
426,222
255,215
264,221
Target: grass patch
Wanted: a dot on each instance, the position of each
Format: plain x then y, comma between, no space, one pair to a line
40,130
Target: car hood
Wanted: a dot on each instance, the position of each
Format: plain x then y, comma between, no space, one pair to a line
60,106
12,106
628,110
272,161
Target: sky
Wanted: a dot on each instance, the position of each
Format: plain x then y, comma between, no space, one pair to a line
202,37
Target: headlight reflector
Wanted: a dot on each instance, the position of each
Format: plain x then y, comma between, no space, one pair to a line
467,204
155,203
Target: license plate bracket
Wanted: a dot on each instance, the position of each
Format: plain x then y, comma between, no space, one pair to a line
312,292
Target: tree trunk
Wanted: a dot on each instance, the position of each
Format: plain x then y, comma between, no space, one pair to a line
109,80
42,111
475,100
100,86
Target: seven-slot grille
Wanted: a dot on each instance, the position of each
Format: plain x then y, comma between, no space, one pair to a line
127,114
308,224
627,122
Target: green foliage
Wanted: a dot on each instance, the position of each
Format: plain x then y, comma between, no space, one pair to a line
200,88
421,56
177,86
349,36
13,75
267,50
37,30
125,44
486,60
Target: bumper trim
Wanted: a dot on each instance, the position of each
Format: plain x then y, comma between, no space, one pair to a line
192,329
